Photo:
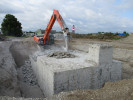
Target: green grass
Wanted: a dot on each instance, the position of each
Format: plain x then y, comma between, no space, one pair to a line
109,36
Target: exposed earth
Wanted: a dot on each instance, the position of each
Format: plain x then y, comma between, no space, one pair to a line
18,80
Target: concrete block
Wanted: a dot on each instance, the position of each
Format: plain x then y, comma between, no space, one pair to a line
72,80
100,53
59,75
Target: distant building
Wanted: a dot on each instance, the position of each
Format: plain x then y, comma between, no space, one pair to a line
39,32
24,32
102,33
27,33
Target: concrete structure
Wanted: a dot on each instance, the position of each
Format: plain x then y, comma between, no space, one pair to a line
100,54
87,71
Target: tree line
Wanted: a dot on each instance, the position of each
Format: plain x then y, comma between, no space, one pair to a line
11,26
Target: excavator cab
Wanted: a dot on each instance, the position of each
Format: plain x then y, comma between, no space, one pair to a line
40,41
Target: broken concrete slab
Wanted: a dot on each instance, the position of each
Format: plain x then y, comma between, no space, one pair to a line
61,55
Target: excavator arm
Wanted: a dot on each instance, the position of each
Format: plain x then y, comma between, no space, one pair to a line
60,20
49,27
56,15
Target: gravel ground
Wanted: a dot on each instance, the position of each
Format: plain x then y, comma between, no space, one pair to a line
121,90
28,74
28,82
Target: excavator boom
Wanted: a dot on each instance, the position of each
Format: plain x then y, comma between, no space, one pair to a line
60,20
49,27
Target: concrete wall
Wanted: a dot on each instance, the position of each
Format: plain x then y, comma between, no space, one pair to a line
100,53
87,78
44,77
86,71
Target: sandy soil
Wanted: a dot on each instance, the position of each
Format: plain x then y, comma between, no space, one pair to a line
122,90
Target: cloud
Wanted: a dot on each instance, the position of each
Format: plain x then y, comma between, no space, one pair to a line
9,7
87,15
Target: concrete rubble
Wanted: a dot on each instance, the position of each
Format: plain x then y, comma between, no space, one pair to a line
60,55
28,75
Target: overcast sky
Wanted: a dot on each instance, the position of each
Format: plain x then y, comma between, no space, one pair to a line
87,15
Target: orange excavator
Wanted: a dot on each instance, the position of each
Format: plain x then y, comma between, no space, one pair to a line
46,38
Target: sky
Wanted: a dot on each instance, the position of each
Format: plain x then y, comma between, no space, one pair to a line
88,16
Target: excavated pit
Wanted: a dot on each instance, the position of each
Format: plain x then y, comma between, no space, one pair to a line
26,79
42,72
18,78
68,67
9,83
21,50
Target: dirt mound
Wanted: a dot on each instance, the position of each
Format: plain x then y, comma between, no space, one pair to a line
60,55
21,50
8,73
122,90
129,39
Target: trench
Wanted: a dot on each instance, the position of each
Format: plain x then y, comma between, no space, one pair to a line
27,81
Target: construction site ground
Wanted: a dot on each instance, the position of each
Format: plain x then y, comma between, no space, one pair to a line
17,78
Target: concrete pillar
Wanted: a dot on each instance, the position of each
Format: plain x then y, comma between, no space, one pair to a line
100,53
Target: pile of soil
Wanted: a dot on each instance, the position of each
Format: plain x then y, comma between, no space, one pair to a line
121,90
60,55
